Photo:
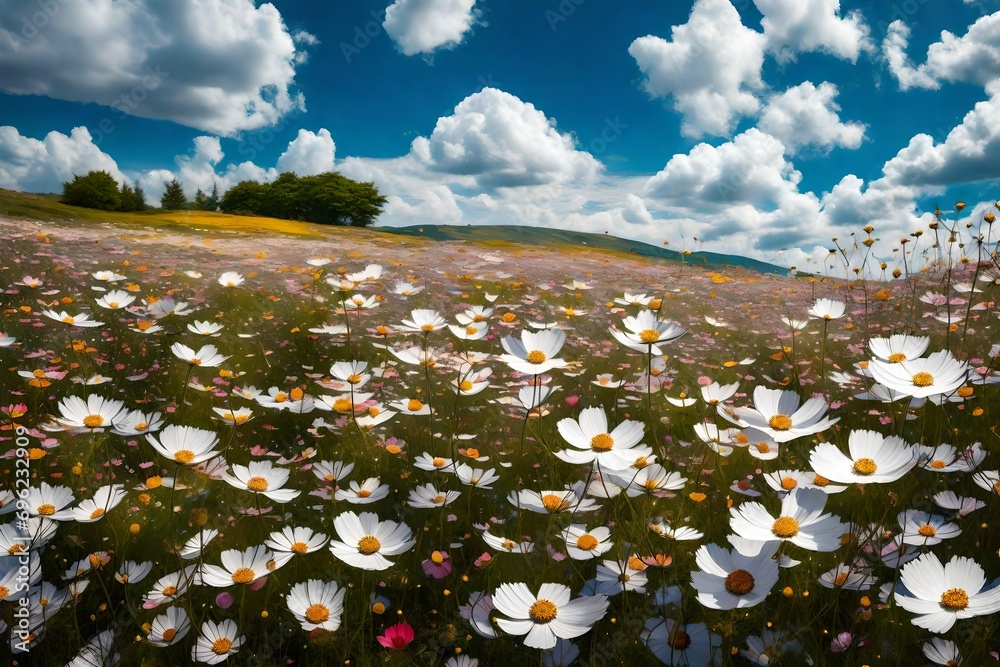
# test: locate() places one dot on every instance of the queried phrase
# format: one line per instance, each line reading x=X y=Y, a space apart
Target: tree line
x=329 y=198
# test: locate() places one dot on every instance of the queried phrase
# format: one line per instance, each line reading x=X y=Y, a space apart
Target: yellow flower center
x=300 y=547
x=438 y=499
x=68 y=320
x=819 y=480
x=364 y=493
x=257 y=484
x=927 y=530
x=923 y=379
x=221 y=645
x=413 y=405
x=554 y=503
x=586 y=542
x=354 y=378
x=651 y=485
x=508 y=317
x=649 y=335
x=317 y=613
x=865 y=466
x=763 y=448
x=937 y=464
x=602 y=442
x=508 y=545
x=427 y=327
x=465 y=385
x=169 y=591
x=297 y=394
x=393 y=449
x=378 y=608
x=112 y=304
x=38 y=373
x=280 y=397
x=640 y=463
x=785 y=527
x=437 y=557
x=144 y=325
x=368 y=545
x=342 y=405
x=543 y=611
x=789 y=483
x=15 y=549
x=243 y=575
x=195 y=361
x=964 y=392
x=97 y=513
x=169 y=634
x=897 y=357
x=93 y=421
x=780 y=422
x=841 y=579
x=46 y=509
x=536 y=357
x=438 y=462
x=184 y=456
x=739 y=582
x=154 y=482
x=955 y=598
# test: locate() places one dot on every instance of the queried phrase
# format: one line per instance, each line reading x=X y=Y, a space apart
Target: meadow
x=342 y=447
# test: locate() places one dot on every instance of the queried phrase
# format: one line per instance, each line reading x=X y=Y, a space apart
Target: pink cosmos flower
x=438 y=565
x=396 y=637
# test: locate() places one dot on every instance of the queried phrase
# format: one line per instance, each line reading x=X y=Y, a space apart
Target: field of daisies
x=351 y=459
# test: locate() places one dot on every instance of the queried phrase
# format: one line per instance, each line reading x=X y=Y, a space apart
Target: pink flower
x=224 y=600
x=572 y=400
x=397 y=636
x=438 y=565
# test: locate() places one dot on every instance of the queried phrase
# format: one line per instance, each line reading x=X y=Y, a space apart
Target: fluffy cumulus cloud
x=33 y=165
x=421 y=26
x=806 y=116
x=710 y=67
x=309 y=153
x=501 y=141
x=217 y=65
x=971 y=58
x=801 y=26
x=967 y=155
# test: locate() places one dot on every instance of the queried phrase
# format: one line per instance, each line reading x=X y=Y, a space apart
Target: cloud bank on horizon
x=776 y=141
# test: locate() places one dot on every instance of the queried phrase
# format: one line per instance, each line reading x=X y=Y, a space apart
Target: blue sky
x=760 y=126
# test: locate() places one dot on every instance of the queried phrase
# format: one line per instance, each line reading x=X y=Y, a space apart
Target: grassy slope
x=47 y=207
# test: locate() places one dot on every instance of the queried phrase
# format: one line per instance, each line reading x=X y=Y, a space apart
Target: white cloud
x=421 y=26
x=801 y=26
x=711 y=68
x=501 y=141
x=967 y=155
x=894 y=51
x=33 y=165
x=971 y=58
x=807 y=116
x=309 y=153
x=217 y=65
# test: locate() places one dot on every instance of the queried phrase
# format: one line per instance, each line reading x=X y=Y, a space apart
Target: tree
x=173 y=198
x=244 y=198
x=98 y=189
x=138 y=199
x=212 y=204
x=329 y=198
x=200 y=200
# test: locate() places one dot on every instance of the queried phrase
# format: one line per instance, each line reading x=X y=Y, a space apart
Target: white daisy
x=939 y=373
x=536 y=352
x=583 y=544
x=592 y=442
x=549 y=615
x=185 y=444
x=292 y=541
x=425 y=321
x=645 y=333
x=899 y=347
x=369 y=491
x=365 y=541
x=82 y=320
x=926 y=529
x=262 y=477
x=873 y=458
x=427 y=496
x=115 y=300
x=207 y=355
x=943 y=593
x=231 y=279
x=94 y=413
x=827 y=309
x=800 y=521
x=777 y=413
x=477 y=477
x=737 y=578
x=239 y=567
x=317 y=604
x=169 y=628
x=616 y=576
x=217 y=642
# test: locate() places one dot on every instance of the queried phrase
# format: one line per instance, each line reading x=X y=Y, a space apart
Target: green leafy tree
x=329 y=198
x=173 y=198
x=98 y=189
x=244 y=198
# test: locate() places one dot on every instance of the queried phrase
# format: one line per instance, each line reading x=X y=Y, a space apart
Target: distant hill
x=549 y=237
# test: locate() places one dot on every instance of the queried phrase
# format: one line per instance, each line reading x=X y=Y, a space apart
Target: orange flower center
x=221 y=645
x=587 y=542
x=739 y=582
x=169 y=591
x=535 y=357
x=438 y=462
x=785 y=527
x=789 y=483
x=602 y=442
x=364 y=493
x=780 y=422
x=243 y=575
x=46 y=509
x=184 y=456
x=97 y=513
x=543 y=611
x=554 y=503
x=937 y=464
x=466 y=385
x=413 y=405
x=169 y=634
x=679 y=640
x=649 y=335
x=280 y=397
x=437 y=557
x=427 y=327
x=923 y=379
x=955 y=598
x=927 y=530
x=300 y=547
x=317 y=613
x=257 y=484
x=819 y=480
x=369 y=544
x=865 y=466
x=897 y=357
x=93 y=421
